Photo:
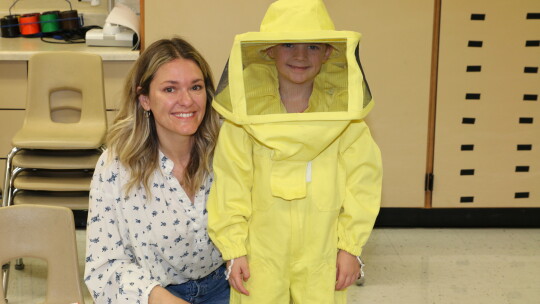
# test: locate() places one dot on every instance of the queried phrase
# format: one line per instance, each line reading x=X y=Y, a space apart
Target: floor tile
x=403 y=266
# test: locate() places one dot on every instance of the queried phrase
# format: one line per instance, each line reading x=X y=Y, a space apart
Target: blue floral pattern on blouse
x=140 y=240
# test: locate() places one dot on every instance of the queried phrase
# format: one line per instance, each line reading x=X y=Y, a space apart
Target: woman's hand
x=348 y=270
x=239 y=273
x=160 y=295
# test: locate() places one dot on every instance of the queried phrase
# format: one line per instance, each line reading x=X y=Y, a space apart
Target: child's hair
x=133 y=136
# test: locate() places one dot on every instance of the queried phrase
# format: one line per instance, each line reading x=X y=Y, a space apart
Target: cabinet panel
x=10 y=122
x=3 y=175
x=13 y=76
x=115 y=74
x=487 y=148
x=110 y=117
x=396 y=55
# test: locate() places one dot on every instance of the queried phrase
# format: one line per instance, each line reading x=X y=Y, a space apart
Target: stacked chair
x=56 y=150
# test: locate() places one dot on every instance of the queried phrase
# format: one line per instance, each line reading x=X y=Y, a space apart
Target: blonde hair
x=133 y=136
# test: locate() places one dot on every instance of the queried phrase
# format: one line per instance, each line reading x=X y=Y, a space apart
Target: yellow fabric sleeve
x=361 y=159
x=229 y=203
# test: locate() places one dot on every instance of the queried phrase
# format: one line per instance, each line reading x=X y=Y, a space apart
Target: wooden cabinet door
x=487 y=140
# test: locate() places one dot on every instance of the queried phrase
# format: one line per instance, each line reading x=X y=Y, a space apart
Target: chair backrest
x=78 y=72
x=48 y=233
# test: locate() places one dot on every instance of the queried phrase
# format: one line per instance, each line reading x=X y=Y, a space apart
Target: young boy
x=297 y=174
x=297 y=65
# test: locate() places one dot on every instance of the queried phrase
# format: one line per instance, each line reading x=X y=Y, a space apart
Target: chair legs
x=7 y=195
x=6 y=201
x=19 y=265
x=5 y=278
x=10 y=194
x=5 y=274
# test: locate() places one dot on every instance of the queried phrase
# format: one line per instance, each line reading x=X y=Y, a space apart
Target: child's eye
x=314 y=47
x=288 y=45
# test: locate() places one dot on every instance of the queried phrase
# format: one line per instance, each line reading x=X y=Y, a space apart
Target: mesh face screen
x=262 y=74
x=222 y=92
x=365 y=86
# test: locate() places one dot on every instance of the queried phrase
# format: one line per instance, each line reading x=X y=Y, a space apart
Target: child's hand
x=239 y=273
x=348 y=269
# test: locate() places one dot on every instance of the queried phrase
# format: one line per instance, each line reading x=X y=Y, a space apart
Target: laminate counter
x=23 y=48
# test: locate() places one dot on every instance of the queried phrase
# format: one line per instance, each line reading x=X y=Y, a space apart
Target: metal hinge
x=428 y=182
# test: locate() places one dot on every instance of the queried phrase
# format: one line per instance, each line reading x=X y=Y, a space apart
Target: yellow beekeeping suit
x=292 y=188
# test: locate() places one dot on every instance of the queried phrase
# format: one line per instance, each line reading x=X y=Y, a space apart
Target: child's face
x=299 y=63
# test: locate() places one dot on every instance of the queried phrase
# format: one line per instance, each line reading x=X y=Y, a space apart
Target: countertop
x=23 y=48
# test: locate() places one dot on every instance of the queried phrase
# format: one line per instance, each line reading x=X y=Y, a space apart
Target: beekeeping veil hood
x=248 y=92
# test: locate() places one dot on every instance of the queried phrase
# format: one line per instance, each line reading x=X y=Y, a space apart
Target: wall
x=395 y=52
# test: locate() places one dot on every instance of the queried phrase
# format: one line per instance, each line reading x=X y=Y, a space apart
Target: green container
x=49 y=22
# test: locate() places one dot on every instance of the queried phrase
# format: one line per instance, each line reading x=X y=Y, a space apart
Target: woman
x=146 y=235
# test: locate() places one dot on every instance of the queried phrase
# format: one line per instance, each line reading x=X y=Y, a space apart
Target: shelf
x=22 y=48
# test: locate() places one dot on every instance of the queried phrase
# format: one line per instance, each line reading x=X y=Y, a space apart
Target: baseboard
x=459 y=217
x=434 y=218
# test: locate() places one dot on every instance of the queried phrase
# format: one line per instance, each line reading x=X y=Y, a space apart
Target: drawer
x=13 y=75
x=115 y=74
x=10 y=122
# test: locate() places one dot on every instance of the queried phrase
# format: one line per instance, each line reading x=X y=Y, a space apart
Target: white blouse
x=138 y=241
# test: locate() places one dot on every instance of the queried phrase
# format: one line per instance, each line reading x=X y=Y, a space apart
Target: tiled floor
x=416 y=266
x=452 y=266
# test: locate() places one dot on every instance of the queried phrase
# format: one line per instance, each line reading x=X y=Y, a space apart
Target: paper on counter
x=124 y=16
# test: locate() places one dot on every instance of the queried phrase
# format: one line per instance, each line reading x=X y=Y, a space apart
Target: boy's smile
x=299 y=63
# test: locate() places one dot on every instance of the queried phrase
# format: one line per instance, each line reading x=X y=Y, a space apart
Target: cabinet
x=487 y=140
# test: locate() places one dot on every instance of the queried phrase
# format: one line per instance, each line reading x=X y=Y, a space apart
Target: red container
x=29 y=24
